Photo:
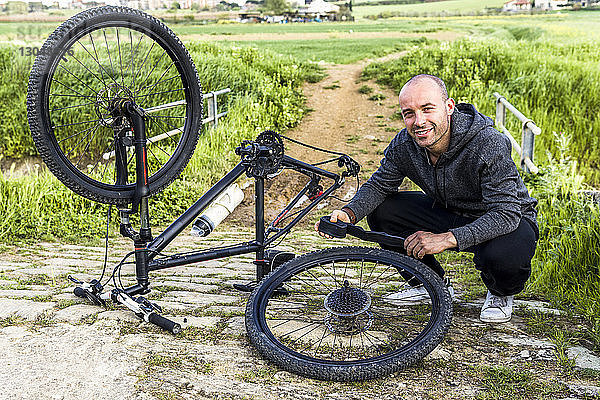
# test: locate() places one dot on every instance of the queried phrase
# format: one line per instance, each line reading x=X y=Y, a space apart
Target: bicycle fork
x=126 y=109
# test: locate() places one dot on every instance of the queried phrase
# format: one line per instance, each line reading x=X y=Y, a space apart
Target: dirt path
x=56 y=346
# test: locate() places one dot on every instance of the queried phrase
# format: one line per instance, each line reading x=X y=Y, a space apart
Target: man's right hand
x=336 y=215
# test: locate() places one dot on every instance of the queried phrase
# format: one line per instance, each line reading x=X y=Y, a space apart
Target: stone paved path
x=56 y=346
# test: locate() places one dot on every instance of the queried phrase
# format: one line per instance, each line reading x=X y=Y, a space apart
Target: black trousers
x=504 y=262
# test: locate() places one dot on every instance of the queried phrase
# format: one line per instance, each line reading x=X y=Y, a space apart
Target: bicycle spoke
x=142 y=66
x=68 y=107
x=70 y=88
x=79 y=143
x=155 y=93
x=75 y=123
x=76 y=77
x=154 y=67
x=87 y=146
x=76 y=134
x=120 y=60
x=100 y=65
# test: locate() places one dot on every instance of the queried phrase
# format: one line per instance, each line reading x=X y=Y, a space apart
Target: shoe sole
x=495 y=321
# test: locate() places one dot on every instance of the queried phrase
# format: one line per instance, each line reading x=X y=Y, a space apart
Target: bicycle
x=324 y=314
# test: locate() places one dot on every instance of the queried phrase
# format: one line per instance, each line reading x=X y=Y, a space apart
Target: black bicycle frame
x=146 y=248
x=262 y=238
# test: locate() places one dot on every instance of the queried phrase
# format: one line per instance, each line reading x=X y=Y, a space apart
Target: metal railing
x=213 y=116
x=528 y=132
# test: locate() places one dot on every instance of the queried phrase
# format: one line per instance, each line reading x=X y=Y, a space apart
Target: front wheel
x=332 y=314
x=97 y=59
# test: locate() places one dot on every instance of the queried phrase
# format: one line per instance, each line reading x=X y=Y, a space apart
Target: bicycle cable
x=311 y=146
x=106 y=242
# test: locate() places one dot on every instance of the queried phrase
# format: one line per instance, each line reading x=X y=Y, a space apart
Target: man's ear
x=450 y=106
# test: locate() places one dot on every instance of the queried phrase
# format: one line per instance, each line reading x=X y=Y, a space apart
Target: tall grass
x=266 y=95
x=566 y=267
x=552 y=82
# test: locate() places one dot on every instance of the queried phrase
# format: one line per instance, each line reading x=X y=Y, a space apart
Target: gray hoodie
x=476 y=177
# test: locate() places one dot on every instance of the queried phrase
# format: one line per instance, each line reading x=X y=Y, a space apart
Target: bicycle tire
x=307 y=294
x=93 y=58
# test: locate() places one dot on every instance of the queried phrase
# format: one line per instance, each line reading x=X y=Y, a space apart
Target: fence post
x=215 y=110
x=212 y=103
x=500 y=113
x=527 y=141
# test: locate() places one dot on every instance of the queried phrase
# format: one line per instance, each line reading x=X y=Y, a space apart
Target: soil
x=57 y=346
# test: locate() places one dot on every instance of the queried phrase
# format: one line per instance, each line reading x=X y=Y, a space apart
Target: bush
x=566 y=264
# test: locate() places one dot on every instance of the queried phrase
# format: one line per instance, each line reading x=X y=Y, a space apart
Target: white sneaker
x=414 y=295
x=496 y=308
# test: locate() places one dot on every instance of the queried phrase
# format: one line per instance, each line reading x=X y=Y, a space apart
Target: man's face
x=425 y=113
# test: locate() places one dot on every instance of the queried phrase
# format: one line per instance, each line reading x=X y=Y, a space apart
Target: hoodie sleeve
x=385 y=180
x=499 y=187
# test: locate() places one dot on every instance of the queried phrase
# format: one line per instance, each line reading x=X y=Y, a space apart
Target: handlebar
x=163 y=322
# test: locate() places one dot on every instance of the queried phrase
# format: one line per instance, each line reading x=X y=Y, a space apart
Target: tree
x=277 y=7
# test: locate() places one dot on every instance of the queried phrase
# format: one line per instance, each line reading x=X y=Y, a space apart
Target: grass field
x=362 y=9
x=340 y=51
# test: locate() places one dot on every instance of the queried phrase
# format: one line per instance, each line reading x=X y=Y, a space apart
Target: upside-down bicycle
x=117 y=79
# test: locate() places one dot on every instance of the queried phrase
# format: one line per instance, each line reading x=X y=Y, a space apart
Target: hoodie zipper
x=435 y=185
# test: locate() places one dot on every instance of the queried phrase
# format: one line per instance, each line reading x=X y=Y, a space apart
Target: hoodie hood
x=465 y=123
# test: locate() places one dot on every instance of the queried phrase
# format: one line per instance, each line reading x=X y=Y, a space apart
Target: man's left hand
x=422 y=243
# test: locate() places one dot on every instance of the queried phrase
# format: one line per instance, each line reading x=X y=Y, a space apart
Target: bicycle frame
x=147 y=248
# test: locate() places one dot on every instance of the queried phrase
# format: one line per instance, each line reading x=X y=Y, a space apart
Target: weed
x=561 y=342
x=332 y=86
x=257 y=375
x=352 y=139
x=365 y=89
x=11 y=321
x=501 y=382
x=377 y=97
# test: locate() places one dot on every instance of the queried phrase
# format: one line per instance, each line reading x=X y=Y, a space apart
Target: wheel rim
x=338 y=311
x=105 y=62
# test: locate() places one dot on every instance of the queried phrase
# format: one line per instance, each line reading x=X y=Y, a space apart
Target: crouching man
x=473 y=198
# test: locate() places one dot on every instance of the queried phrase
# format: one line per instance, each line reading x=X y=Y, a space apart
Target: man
x=473 y=198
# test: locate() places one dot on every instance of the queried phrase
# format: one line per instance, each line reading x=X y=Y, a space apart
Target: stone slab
x=198 y=322
x=119 y=315
x=536 y=306
x=76 y=313
x=20 y=293
x=584 y=358
x=27 y=309
x=199 y=298
x=195 y=287
x=521 y=341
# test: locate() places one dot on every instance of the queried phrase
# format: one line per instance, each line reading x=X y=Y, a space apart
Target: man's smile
x=424 y=132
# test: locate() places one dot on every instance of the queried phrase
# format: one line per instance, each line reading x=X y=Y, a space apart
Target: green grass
x=361 y=10
x=500 y=382
x=339 y=51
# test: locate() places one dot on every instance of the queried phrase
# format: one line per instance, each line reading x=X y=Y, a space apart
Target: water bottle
x=216 y=212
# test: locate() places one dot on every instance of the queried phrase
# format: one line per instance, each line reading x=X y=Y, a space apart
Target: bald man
x=472 y=198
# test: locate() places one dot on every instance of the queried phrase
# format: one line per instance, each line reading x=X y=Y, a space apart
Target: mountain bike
x=115 y=107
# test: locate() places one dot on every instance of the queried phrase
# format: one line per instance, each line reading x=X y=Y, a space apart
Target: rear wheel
x=329 y=315
x=93 y=60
